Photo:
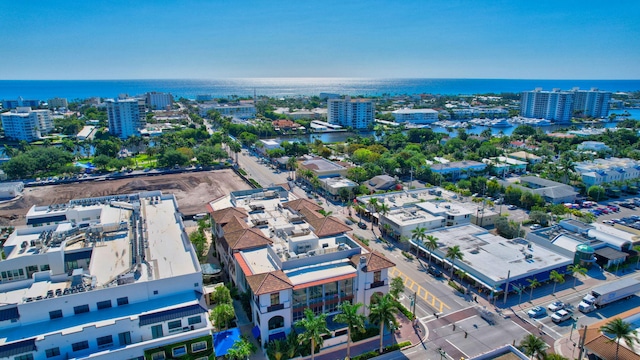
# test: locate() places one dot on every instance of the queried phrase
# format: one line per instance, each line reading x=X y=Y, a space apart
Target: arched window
x=276 y=322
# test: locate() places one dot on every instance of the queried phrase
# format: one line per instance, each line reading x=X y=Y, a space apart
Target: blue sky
x=371 y=39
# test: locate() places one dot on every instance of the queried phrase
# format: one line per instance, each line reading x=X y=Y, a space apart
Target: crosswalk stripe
x=413 y=286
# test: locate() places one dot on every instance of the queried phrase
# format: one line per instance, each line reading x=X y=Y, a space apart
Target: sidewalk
x=406 y=332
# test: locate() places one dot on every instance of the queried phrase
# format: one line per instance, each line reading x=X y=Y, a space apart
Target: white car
x=560 y=316
x=535 y=226
x=555 y=306
x=512 y=207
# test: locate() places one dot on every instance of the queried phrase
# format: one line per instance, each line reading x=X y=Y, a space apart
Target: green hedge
x=374 y=353
x=406 y=312
x=368 y=333
x=241 y=171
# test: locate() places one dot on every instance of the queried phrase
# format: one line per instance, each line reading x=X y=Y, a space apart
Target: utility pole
x=413 y=304
x=582 y=339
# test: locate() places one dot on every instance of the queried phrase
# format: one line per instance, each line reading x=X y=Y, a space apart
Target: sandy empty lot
x=193 y=191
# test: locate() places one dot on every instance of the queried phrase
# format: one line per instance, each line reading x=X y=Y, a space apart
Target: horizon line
x=322 y=77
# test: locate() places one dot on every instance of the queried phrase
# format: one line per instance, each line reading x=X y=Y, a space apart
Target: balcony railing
x=275 y=307
x=376 y=284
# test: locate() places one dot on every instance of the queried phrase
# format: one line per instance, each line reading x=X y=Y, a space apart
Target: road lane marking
x=414 y=287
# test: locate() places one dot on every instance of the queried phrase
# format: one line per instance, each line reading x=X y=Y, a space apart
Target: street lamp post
x=442 y=353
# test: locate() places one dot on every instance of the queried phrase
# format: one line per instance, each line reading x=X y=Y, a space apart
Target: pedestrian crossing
x=421 y=292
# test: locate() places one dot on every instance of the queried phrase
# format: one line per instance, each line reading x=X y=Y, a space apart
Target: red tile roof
x=246 y=239
x=299 y=204
x=222 y=216
x=268 y=283
x=374 y=261
x=328 y=226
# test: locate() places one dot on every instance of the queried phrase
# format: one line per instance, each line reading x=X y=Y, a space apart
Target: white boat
x=500 y=123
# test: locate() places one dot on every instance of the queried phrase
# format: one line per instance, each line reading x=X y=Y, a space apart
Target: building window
x=330 y=289
x=156 y=331
x=198 y=346
x=80 y=345
x=55 y=314
x=80 y=309
x=175 y=325
x=276 y=322
x=275 y=299
x=45 y=267
x=315 y=294
x=299 y=297
x=195 y=320
x=179 y=351
x=155 y=292
x=104 y=304
x=377 y=276
x=24 y=357
x=52 y=352
x=158 y=356
x=297 y=315
x=124 y=338
x=123 y=301
x=104 y=341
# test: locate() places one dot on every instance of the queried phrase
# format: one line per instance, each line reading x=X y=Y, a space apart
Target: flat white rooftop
x=316 y=272
x=491 y=257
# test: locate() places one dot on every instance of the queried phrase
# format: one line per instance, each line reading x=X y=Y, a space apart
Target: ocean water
x=81 y=89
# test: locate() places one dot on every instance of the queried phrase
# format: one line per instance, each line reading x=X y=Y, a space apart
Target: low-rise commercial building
x=289 y=258
x=9 y=190
x=551 y=191
x=603 y=171
x=332 y=186
x=502 y=165
x=240 y=111
x=459 y=169
x=494 y=263
x=322 y=167
x=415 y=116
x=525 y=156
x=113 y=277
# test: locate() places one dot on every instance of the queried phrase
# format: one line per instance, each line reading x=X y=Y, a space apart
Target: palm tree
x=566 y=166
x=621 y=330
x=373 y=205
x=557 y=278
x=383 y=312
x=454 y=253
x=276 y=349
x=533 y=283
x=418 y=235
x=431 y=245
x=314 y=328
x=532 y=346
x=292 y=345
x=241 y=350
x=396 y=287
x=576 y=270
x=292 y=163
x=355 y=321
x=554 y=357
x=383 y=209
x=235 y=147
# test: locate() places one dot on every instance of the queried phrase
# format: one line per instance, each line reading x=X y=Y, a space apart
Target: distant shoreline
x=292 y=87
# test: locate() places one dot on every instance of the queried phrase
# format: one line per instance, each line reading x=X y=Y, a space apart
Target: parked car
x=362 y=225
x=561 y=315
x=434 y=271
x=537 y=312
x=556 y=305
x=348 y=222
x=535 y=226
x=610 y=222
x=512 y=207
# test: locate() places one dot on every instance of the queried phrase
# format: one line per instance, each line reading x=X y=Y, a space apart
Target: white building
x=103 y=278
x=553 y=105
x=602 y=171
x=591 y=103
x=415 y=116
x=126 y=117
x=9 y=190
x=245 y=111
x=158 y=101
x=26 y=124
x=20 y=102
x=56 y=103
x=353 y=113
x=290 y=258
x=593 y=146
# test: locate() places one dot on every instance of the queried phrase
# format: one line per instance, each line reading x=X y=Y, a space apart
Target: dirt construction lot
x=193 y=191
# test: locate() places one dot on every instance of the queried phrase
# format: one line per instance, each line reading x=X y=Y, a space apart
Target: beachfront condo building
x=56 y=103
x=126 y=117
x=553 y=105
x=353 y=113
x=26 y=124
x=415 y=116
x=158 y=101
x=20 y=102
x=112 y=277
x=289 y=257
x=561 y=106
x=591 y=103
